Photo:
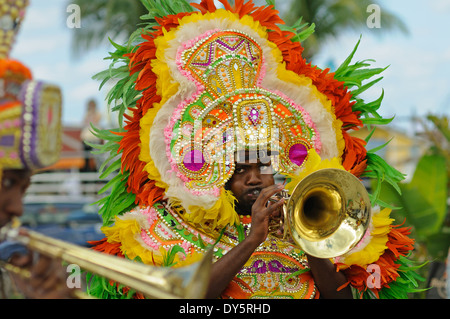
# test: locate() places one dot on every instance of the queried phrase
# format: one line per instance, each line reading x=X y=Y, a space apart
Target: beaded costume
x=30 y=118
x=194 y=86
x=30 y=110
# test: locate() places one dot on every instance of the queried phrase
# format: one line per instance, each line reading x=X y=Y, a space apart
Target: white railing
x=59 y=187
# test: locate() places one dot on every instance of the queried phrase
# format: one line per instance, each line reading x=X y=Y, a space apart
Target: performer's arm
x=48 y=277
x=226 y=268
x=328 y=280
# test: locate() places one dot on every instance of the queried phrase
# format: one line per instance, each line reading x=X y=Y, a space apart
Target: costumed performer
x=196 y=87
x=30 y=139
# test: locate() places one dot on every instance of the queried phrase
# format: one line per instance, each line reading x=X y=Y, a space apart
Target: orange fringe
x=104 y=246
x=15 y=67
x=354 y=159
x=354 y=153
x=399 y=244
x=234 y=290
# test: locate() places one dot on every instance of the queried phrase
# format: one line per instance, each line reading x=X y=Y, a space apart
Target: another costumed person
x=30 y=110
x=215 y=102
x=30 y=140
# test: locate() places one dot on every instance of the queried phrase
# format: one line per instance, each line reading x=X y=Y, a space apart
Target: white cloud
x=446 y=55
x=32 y=46
x=89 y=66
x=75 y=99
x=43 y=17
x=440 y=6
x=44 y=45
x=419 y=62
x=83 y=91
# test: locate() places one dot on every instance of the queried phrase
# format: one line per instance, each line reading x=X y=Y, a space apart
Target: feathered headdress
x=203 y=84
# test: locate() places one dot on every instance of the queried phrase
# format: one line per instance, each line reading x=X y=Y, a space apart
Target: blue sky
x=417 y=81
x=44 y=45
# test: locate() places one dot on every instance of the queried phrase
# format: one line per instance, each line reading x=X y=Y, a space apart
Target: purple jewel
x=298 y=154
x=194 y=160
x=7 y=140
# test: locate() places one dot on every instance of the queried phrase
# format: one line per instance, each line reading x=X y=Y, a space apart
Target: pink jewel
x=298 y=154
x=194 y=160
x=254 y=116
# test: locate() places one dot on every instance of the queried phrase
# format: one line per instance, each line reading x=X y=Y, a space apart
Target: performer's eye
x=7 y=183
x=266 y=169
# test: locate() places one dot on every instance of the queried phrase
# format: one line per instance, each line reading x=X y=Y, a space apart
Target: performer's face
x=14 y=184
x=251 y=173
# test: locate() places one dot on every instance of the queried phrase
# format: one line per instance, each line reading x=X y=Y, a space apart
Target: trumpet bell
x=328 y=213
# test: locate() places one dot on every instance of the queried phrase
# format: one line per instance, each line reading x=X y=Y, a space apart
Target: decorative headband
x=231 y=110
x=30 y=119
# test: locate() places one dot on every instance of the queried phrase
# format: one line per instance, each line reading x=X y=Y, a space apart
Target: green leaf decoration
x=302 y=30
x=354 y=77
x=378 y=170
x=169 y=257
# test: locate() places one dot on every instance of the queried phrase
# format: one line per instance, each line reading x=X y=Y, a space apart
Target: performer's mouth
x=253 y=193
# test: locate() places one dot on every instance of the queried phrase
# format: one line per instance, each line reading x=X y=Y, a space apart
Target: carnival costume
x=30 y=110
x=195 y=86
x=30 y=118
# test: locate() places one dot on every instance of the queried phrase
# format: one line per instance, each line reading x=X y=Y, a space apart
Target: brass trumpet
x=327 y=213
x=154 y=282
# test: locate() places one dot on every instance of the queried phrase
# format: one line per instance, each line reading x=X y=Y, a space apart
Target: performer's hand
x=263 y=210
x=226 y=268
x=48 y=278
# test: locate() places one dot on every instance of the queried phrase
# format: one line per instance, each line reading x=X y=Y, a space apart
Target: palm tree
x=332 y=17
x=103 y=19
x=119 y=18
